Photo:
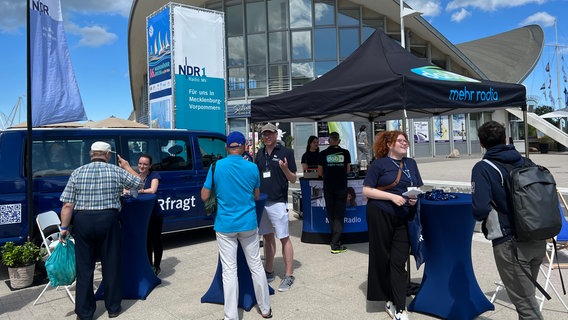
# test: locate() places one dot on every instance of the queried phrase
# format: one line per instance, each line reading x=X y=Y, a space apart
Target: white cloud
x=541 y=18
x=460 y=15
x=489 y=5
x=13 y=15
x=428 y=8
x=93 y=36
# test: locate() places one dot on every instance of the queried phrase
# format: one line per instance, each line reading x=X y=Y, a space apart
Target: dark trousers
x=388 y=254
x=97 y=234
x=335 y=202
x=154 y=245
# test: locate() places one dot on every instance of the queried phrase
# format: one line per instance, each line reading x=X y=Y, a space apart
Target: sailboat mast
x=557 y=64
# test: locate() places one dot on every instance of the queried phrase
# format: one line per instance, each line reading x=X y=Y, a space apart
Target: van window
x=212 y=149
x=167 y=154
x=59 y=157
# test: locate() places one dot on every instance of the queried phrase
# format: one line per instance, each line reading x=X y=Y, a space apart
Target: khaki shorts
x=275 y=220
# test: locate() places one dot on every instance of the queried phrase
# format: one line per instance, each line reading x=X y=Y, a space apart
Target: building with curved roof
x=282 y=44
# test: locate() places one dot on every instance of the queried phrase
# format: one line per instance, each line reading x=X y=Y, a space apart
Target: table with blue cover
x=247 y=298
x=449 y=288
x=138 y=278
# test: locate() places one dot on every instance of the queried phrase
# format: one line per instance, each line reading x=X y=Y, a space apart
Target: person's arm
x=291 y=176
x=304 y=166
x=153 y=187
x=125 y=165
x=256 y=194
x=481 y=196
x=66 y=215
x=320 y=170
x=374 y=193
x=348 y=162
x=206 y=191
x=205 y=194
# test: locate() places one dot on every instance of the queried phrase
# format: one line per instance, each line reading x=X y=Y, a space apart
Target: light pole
x=406 y=12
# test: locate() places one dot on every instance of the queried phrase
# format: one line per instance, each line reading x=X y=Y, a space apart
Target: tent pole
x=404 y=118
x=525 y=116
x=251 y=128
x=372 y=122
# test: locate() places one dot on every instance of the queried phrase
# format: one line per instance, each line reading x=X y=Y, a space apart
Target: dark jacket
x=487 y=188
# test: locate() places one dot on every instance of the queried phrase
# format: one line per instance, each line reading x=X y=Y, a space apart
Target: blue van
x=182 y=157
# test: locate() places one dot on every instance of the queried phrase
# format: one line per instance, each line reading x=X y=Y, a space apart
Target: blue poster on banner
x=201 y=103
x=159 y=54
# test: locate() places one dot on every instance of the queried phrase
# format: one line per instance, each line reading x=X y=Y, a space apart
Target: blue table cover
x=247 y=298
x=138 y=279
x=449 y=288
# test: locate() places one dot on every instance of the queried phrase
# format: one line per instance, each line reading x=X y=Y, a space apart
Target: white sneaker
x=389 y=308
x=401 y=315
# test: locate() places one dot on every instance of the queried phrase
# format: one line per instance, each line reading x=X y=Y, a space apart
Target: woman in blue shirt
x=388 y=212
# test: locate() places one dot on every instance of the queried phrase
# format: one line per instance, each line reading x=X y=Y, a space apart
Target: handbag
x=60 y=265
x=211 y=202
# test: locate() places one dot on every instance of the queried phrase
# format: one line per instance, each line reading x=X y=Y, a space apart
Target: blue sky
x=97 y=39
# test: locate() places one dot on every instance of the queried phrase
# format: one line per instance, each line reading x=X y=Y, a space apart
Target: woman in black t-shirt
x=388 y=211
x=310 y=157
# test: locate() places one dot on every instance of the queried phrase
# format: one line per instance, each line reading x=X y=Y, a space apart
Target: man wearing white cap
x=277 y=167
x=92 y=198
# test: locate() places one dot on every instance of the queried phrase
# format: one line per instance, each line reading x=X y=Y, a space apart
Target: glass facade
x=277 y=45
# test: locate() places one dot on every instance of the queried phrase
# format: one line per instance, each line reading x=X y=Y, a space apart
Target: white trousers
x=227 y=243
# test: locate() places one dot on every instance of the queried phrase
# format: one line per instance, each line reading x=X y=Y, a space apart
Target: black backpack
x=534 y=206
x=533 y=199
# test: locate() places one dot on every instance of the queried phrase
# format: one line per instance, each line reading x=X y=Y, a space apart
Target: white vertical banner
x=55 y=95
x=199 y=68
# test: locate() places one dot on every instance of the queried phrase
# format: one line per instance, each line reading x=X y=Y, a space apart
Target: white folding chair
x=561 y=240
x=44 y=221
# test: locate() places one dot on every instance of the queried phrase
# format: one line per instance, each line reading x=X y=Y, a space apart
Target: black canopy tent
x=380 y=81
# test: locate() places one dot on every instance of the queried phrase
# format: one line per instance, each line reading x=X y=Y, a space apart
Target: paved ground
x=327 y=286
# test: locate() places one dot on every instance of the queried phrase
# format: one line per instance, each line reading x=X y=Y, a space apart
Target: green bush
x=14 y=256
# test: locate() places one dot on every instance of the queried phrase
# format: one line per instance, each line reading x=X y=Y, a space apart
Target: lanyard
x=406 y=171
x=266 y=160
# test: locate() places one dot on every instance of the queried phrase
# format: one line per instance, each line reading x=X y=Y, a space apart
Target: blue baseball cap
x=237 y=138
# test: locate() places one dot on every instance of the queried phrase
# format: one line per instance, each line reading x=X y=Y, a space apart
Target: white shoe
x=401 y=315
x=389 y=308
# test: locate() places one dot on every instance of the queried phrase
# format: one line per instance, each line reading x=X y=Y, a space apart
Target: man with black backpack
x=492 y=204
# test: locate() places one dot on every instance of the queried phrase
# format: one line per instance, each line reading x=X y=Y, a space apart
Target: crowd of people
x=92 y=199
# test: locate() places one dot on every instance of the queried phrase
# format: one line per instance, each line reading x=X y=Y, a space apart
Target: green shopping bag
x=60 y=265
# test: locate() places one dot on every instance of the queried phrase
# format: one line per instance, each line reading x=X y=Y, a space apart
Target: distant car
x=420 y=137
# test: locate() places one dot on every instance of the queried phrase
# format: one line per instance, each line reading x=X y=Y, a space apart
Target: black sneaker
x=339 y=250
x=270 y=276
